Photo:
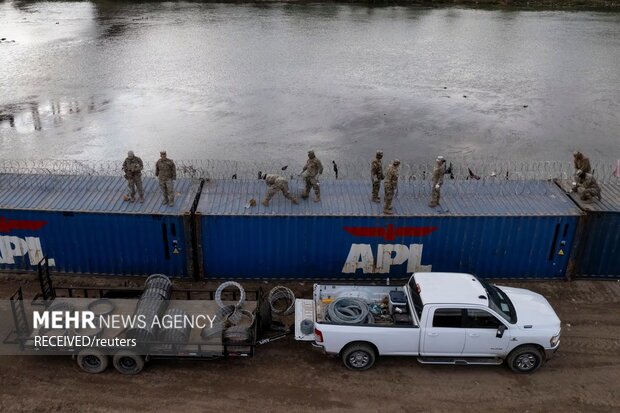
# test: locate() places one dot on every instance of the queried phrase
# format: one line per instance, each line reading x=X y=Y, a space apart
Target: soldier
x=376 y=175
x=166 y=171
x=276 y=183
x=582 y=164
x=133 y=174
x=390 y=185
x=311 y=170
x=588 y=187
x=438 y=173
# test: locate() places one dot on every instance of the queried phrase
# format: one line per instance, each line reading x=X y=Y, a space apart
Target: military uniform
x=311 y=170
x=438 y=173
x=166 y=171
x=275 y=184
x=133 y=174
x=589 y=188
x=582 y=164
x=390 y=186
x=376 y=176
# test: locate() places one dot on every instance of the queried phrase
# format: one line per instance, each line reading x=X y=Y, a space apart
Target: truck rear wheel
x=93 y=361
x=525 y=359
x=358 y=356
x=127 y=362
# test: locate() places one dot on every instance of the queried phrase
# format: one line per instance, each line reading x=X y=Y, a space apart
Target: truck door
x=445 y=332
x=481 y=335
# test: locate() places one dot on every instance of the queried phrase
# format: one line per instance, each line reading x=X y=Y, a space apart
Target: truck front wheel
x=525 y=359
x=358 y=356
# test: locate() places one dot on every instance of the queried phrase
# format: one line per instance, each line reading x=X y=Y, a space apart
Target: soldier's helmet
x=379 y=154
x=441 y=159
x=130 y=154
x=162 y=152
x=577 y=154
x=311 y=154
x=396 y=162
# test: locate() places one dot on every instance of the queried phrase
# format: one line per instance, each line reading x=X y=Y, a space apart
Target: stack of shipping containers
x=597 y=254
x=494 y=229
x=83 y=226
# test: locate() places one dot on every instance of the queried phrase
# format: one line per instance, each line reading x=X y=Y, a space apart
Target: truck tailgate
x=304 y=310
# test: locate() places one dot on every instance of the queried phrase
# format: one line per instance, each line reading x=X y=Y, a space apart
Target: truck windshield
x=499 y=301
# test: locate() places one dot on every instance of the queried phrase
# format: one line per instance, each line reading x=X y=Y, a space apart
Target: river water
x=88 y=80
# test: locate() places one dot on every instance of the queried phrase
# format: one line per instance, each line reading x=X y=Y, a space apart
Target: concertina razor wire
x=459 y=168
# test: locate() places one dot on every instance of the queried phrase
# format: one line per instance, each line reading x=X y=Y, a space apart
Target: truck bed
x=377 y=297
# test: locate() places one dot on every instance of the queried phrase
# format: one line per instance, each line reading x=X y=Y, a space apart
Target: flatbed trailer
x=95 y=358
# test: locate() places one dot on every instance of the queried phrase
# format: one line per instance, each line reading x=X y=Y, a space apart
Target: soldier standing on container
x=311 y=170
x=133 y=174
x=276 y=183
x=582 y=164
x=390 y=185
x=588 y=187
x=438 y=173
x=376 y=175
x=166 y=171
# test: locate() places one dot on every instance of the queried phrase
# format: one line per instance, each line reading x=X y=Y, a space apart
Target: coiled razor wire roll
x=242 y=318
x=237 y=334
x=158 y=284
x=281 y=300
x=152 y=304
x=348 y=310
x=101 y=307
x=222 y=287
x=307 y=326
x=174 y=335
x=241 y=324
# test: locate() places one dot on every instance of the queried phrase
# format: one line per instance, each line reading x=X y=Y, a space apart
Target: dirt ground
x=288 y=376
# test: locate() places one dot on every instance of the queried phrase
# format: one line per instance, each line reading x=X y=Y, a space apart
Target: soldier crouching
x=275 y=184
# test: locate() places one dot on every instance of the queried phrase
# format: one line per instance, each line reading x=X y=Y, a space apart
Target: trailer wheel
x=525 y=359
x=126 y=362
x=93 y=361
x=358 y=356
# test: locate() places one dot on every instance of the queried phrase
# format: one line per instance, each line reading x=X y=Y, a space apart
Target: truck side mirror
x=500 y=331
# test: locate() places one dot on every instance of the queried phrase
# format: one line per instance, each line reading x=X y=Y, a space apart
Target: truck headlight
x=554 y=340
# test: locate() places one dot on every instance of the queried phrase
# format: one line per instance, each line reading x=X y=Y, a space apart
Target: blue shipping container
x=598 y=252
x=82 y=224
x=495 y=229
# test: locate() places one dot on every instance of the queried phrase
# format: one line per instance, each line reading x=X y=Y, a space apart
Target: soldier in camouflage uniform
x=390 y=185
x=133 y=174
x=582 y=164
x=276 y=183
x=311 y=170
x=588 y=188
x=376 y=176
x=438 y=173
x=166 y=171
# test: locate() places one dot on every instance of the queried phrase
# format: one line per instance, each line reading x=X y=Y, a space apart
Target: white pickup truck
x=440 y=318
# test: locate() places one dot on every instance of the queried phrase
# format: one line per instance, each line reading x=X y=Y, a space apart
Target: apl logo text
x=12 y=246
x=361 y=255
